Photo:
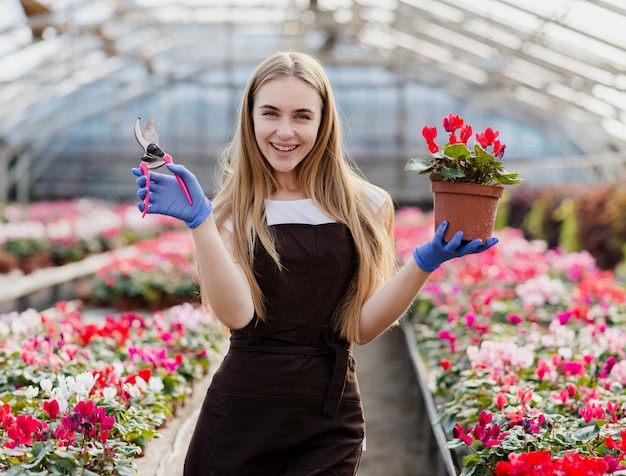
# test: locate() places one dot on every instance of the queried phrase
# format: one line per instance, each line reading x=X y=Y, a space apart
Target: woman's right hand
x=166 y=197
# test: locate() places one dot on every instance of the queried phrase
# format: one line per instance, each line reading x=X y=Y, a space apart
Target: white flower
x=46 y=385
x=141 y=384
x=118 y=367
x=84 y=383
x=31 y=392
x=55 y=394
x=566 y=352
x=156 y=384
x=132 y=390
x=66 y=386
x=109 y=393
x=4 y=330
x=618 y=372
x=538 y=291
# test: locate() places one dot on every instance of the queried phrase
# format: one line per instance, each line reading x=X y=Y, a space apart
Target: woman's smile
x=283 y=148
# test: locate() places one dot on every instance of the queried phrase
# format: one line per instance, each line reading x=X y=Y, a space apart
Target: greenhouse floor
x=396 y=430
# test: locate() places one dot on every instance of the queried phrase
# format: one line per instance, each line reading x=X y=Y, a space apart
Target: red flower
x=487 y=138
x=429 y=133
x=451 y=123
x=541 y=463
x=23 y=430
x=466 y=133
x=498 y=149
x=145 y=374
x=51 y=408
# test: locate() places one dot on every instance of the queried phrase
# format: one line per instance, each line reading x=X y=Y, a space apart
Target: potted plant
x=466 y=181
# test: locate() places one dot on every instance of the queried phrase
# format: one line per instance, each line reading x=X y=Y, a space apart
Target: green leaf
x=455 y=443
x=419 y=165
x=86 y=472
x=450 y=173
x=457 y=151
x=586 y=434
x=508 y=179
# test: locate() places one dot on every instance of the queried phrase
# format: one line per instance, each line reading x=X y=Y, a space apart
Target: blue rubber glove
x=429 y=256
x=168 y=198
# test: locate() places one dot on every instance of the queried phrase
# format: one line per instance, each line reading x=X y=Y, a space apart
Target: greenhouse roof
x=559 y=61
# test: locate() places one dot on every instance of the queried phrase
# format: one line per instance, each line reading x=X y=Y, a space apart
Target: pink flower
x=446 y=335
x=501 y=401
x=514 y=318
x=525 y=395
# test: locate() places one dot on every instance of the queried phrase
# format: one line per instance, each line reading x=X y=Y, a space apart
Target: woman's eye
x=269 y=113
x=303 y=117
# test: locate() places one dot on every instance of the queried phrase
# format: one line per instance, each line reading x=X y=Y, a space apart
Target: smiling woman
x=296 y=256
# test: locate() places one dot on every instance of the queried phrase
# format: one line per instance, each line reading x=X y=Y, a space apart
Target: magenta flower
x=459 y=432
x=487 y=434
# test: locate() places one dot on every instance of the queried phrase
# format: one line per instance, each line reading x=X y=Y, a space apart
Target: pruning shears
x=154 y=157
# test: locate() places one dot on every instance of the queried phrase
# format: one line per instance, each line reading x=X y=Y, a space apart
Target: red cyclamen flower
x=51 y=408
x=466 y=133
x=451 y=123
x=429 y=134
x=487 y=138
x=498 y=149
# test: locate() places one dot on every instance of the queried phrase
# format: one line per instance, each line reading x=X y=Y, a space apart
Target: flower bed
x=152 y=274
x=54 y=233
x=526 y=354
x=83 y=394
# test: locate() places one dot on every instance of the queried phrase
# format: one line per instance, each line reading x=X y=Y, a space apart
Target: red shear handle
x=167 y=158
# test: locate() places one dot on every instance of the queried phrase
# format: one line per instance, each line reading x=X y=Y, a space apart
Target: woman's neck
x=284 y=194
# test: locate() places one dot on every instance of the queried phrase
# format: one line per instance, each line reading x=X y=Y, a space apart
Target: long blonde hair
x=326 y=175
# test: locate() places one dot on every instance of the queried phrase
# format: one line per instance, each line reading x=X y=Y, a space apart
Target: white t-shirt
x=304 y=211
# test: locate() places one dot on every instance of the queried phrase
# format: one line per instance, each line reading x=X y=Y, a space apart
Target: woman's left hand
x=429 y=256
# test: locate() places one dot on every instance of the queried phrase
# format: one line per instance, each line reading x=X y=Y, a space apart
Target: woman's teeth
x=284 y=149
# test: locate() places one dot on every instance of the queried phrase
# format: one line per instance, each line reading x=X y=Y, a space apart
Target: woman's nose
x=285 y=129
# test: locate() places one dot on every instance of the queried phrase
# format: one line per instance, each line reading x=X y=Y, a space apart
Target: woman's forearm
x=222 y=282
x=391 y=301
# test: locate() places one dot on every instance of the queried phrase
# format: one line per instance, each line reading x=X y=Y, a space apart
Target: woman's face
x=286 y=115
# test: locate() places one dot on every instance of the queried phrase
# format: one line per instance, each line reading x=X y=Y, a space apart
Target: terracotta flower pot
x=468 y=207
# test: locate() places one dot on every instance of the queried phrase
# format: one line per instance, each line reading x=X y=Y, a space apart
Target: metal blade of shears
x=148 y=135
x=143 y=142
x=149 y=132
